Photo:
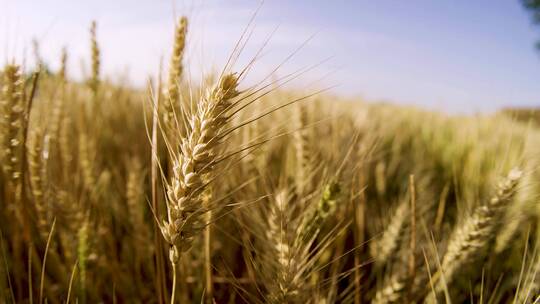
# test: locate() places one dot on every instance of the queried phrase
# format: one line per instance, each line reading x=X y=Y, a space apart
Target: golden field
x=223 y=192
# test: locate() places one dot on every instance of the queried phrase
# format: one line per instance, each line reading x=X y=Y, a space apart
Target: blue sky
x=461 y=56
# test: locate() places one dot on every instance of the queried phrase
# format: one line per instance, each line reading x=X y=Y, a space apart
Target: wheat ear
x=312 y=223
x=96 y=62
x=290 y=258
x=86 y=162
x=135 y=194
x=393 y=291
x=12 y=120
x=62 y=72
x=58 y=104
x=303 y=153
x=383 y=249
x=175 y=72
x=187 y=215
x=284 y=260
x=36 y=166
x=476 y=232
x=192 y=166
x=135 y=197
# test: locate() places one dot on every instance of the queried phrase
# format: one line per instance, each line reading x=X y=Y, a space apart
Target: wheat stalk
x=82 y=255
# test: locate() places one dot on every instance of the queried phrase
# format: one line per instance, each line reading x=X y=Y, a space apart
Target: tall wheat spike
x=86 y=162
x=62 y=72
x=303 y=151
x=12 y=119
x=37 y=166
x=96 y=61
x=187 y=214
x=65 y=145
x=193 y=164
x=286 y=286
x=136 y=204
x=176 y=70
x=382 y=250
x=58 y=104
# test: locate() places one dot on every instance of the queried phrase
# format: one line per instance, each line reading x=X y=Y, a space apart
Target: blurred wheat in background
x=224 y=192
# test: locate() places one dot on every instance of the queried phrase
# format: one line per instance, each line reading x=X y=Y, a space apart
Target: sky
x=454 y=55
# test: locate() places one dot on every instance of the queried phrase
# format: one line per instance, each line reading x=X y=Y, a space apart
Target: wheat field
x=224 y=192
